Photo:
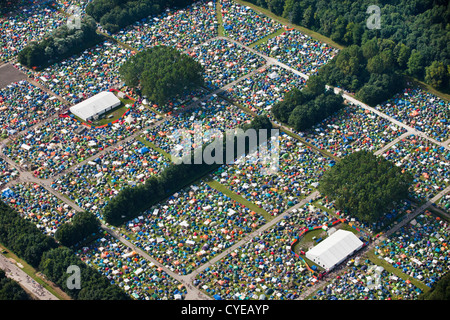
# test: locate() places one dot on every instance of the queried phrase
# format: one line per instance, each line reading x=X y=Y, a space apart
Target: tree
x=11 y=290
x=308 y=17
x=54 y=266
x=365 y=186
x=115 y=15
x=81 y=226
x=402 y=52
x=261 y=122
x=60 y=44
x=437 y=75
x=440 y=291
x=303 y=109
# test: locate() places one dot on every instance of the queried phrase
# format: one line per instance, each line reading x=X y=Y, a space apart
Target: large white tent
x=334 y=249
x=95 y=106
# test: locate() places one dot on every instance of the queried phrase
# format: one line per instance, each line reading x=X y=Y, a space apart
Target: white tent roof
x=95 y=105
x=334 y=249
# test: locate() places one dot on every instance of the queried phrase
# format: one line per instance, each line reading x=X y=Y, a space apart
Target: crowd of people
x=224 y=62
x=363 y=280
x=211 y=114
x=182 y=29
x=444 y=202
x=199 y=222
x=352 y=129
x=90 y=185
x=30 y=23
x=73 y=6
x=138 y=277
x=265 y=267
x=61 y=143
x=7 y=173
x=261 y=91
x=299 y=170
x=80 y=77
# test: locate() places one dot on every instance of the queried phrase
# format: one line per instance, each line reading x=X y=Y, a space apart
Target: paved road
x=195 y=293
x=391 y=119
x=14 y=272
x=192 y=292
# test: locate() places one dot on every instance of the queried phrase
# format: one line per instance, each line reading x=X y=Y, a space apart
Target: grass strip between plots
x=286 y=22
x=266 y=38
x=221 y=188
x=220 y=29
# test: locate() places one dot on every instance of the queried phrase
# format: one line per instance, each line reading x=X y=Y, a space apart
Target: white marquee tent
x=96 y=105
x=334 y=249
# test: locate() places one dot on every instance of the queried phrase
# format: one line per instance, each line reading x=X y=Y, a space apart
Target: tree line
x=417 y=31
x=10 y=289
x=132 y=201
x=62 y=43
x=161 y=73
x=114 y=15
x=43 y=253
x=302 y=109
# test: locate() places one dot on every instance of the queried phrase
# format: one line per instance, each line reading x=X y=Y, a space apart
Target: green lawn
x=116 y=114
x=154 y=147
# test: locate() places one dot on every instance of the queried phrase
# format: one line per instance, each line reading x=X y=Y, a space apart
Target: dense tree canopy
x=11 y=290
x=302 y=109
x=440 y=291
x=419 y=31
x=161 y=73
x=82 y=225
x=132 y=201
x=60 y=44
x=372 y=71
x=22 y=236
x=113 y=15
x=93 y=286
x=364 y=185
x=42 y=252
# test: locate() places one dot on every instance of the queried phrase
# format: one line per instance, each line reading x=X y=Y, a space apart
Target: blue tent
x=7 y=193
x=143 y=150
